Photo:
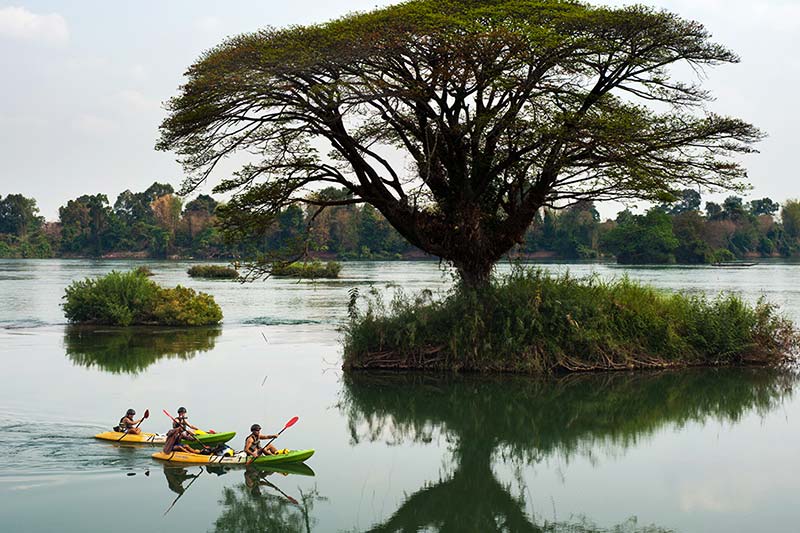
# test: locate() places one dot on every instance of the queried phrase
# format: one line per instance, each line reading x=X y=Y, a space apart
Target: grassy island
x=129 y=298
x=312 y=270
x=212 y=272
x=533 y=322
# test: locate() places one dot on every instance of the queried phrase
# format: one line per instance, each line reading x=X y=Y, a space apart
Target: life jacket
x=249 y=448
x=124 y=425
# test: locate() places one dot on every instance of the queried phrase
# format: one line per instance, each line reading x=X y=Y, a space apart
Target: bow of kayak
x=294 y=456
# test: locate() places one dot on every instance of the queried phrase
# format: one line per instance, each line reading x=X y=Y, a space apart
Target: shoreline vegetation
x=155 y=224
x=130 y=298
x=534 y=323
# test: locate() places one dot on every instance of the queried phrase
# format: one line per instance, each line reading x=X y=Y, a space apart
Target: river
x=700 y=450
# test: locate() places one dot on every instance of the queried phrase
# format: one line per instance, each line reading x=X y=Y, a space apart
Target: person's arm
x=191 y=426
x=268 y=437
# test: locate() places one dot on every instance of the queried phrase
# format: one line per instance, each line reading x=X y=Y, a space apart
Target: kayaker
x=251 y=446
x=128 y=425
x=174 y=437
x=184 y=420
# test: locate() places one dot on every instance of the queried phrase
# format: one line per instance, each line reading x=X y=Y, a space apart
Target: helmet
x=130 y=412
x=181 y=410
x=255 y=427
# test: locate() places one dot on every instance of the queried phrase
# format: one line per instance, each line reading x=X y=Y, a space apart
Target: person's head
x=255 y=428
x=130 y=412
x=181 y=411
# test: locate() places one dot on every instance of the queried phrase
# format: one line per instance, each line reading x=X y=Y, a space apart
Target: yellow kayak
x=291 y=456
x=159 y=438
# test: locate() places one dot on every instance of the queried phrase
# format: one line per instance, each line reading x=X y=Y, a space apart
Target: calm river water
x=701 y=450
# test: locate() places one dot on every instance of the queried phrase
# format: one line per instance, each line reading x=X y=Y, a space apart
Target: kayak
x=294 y=456
x=207 y=439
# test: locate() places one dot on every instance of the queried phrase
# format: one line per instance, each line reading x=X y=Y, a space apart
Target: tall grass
x=533 y=322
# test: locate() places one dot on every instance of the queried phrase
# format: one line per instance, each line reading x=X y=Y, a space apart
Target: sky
x=83 y=82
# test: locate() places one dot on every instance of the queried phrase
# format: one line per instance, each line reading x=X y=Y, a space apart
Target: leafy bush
x=127 y=298
x=312 y=270
x=534 y=322
x=144 y=270
x=182 y=306
x=212 y=271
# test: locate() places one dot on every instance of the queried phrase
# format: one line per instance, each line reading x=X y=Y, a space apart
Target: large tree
x=459 y=120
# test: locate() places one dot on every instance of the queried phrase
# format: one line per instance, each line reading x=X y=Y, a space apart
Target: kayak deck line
x=160 y=438
x=294 y=456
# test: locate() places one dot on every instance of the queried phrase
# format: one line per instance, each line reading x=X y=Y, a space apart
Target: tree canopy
x=495 y=109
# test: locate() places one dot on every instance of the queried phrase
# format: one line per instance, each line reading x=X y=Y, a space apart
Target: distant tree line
x=157 y=223
x=678 y=232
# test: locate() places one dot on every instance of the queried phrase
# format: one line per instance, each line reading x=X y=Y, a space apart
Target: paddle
x=146 y=415
x=211 y=431
x=182 y=493
x=289 y=424
x=282 y=493
x=187 y=430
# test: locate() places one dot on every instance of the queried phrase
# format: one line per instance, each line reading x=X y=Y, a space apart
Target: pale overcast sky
x=83 y=82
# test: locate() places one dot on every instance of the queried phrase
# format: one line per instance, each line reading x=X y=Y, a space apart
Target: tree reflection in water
x=525 y=420
x=260 y=505
x=132 y=350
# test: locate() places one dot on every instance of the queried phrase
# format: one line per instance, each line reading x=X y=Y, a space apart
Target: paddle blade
x=212 y=431
x=147 y=413
x=291 y=422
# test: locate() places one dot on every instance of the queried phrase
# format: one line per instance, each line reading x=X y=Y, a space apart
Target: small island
x=312 y=270
x=212 y=272
x=130 y=298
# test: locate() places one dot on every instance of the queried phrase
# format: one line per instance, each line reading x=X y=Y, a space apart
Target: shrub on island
x=533 y=322
x=312 y=270
x=144 y=270
x=213 y=272
x=129 y=298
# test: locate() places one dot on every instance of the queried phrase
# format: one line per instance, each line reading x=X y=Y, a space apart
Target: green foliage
x=144 y=271
x=532 y=322
x=642 y=239
x=183 y=306
x=308 y=270
x=128 y=298
x=19 y=215
x=790 y=215
x=213 y=271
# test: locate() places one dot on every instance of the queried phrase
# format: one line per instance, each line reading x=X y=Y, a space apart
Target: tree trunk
x=474 y=274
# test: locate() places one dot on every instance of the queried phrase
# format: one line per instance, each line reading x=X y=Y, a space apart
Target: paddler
x=251 y=446
x=183 y=420
x=128 y=425
x=174 y=437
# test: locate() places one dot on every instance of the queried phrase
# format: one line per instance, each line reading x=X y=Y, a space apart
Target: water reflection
x=132 y=350
x=522 y=420
x=257 y=504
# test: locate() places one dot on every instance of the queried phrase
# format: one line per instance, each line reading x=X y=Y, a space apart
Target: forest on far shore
x=157 y=223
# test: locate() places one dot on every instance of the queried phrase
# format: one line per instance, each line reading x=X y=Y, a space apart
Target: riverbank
x=532 y=322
